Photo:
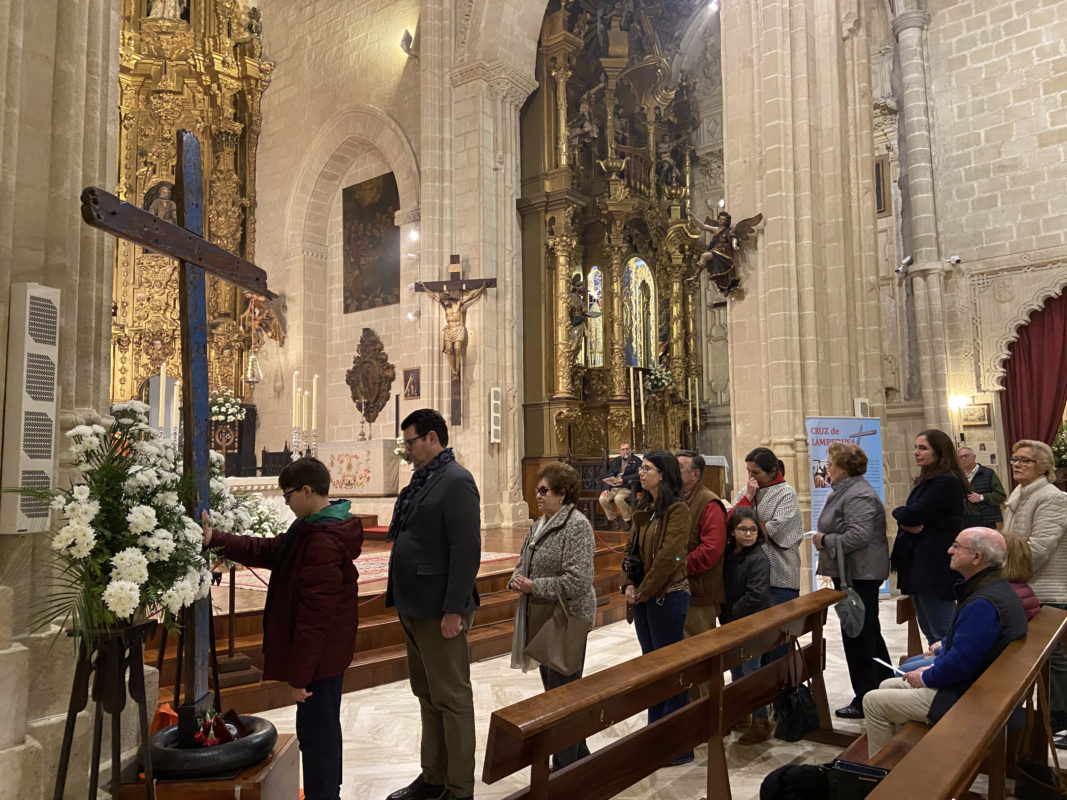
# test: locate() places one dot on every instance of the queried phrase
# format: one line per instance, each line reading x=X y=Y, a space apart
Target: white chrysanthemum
x=148 y=449
x=219 y=485
x=168 y=499
x=216 y=459
x=90 y=442
x=79 y=430
x=83 y=540
x=99 y=430
x=158 y=546
x=173 y=601
x=142 y=519
x=83 y=512
x=204 y=584
x=80 y=492
x=129 y=565
x=58 y=502
x=122 y=597
x=194 y=534
x=64 y=536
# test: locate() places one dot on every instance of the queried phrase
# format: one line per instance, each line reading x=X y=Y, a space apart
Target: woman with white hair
x=1037 y=512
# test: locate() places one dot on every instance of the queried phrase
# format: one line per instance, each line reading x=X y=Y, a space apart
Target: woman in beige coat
x=556 y=560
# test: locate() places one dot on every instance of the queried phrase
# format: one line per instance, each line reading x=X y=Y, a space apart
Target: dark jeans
x=1058 y=683
x=934 y=614
x=550 y=679
x=660 y=623
x=318 y=729
x=747 y=668
x=860 y=652
x=779 y=596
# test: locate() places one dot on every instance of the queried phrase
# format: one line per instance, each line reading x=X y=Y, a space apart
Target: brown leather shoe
x=759 y=731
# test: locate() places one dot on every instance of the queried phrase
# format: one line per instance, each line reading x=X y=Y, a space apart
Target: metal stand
x=114 y=652
x=176 y=697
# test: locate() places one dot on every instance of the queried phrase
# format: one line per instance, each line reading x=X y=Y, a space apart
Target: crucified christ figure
x=455 y=330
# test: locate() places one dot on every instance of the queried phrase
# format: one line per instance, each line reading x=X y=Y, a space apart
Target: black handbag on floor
x=849 y=780
x=795 y=708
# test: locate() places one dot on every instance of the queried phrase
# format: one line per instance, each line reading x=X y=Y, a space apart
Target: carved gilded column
x=562 y=246
x=678 y=364
x=614 y=330
x=561 y=71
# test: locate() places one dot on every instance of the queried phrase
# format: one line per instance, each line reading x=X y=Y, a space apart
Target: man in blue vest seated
x=989 y=616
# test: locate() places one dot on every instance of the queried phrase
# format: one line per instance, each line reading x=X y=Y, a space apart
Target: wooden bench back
x=946 y=759
x=528 y=732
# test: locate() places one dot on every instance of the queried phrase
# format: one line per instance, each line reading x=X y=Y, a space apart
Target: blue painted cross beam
x=198 y=257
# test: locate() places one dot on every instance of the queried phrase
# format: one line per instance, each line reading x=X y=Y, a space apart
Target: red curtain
x=1035 y=380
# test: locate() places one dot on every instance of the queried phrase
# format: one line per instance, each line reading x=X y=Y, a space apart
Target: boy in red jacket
x=310 y=616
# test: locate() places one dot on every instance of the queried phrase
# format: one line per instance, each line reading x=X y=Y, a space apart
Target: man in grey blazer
x=436 y=536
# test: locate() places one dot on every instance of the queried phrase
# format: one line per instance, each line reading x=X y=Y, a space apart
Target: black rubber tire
x=168 y=761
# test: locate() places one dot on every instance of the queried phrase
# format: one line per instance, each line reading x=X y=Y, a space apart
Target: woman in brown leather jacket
x=659 y=596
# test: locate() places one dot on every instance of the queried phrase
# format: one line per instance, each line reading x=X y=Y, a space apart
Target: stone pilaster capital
x=502 y=80
x=406 y=216
x=910 y=19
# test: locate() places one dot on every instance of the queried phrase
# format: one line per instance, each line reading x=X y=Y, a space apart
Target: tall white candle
x=304 y=426
x=296 y=400
x=163 y=396
x=633 y=418
x=641 y=385
x=315 y=403
x=174 y=421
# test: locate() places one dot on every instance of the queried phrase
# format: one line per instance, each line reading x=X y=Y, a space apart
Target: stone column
x=796 y=91
x=926 y=273
x=487 y=99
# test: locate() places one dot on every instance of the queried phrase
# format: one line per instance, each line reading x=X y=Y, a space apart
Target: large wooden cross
x=198 y=257
x=450 y=295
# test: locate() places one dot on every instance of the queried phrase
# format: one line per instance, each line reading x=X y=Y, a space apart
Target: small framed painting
x=411 y=384
x=976 y=415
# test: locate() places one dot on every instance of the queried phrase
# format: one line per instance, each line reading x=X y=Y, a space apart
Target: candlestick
x=315 y=403
x=304 y=418
x=296 y=400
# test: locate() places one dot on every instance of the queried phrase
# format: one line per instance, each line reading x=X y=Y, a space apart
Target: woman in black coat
x=928 y=523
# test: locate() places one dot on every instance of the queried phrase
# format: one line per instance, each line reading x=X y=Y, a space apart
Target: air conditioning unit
x=861 y=406
x=31 y=407
x=494 y=415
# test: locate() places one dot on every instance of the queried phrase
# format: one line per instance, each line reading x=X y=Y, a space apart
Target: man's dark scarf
x=418 y=480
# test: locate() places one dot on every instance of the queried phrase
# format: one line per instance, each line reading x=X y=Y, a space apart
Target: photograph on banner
x=822 y=432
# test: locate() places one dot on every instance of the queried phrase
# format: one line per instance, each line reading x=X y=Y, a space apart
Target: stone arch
x=500 y=31
x=1014 y=324
x=328 y=159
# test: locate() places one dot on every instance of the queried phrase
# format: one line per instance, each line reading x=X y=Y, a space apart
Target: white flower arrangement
x=126 y=546
x=400 y=451
x=658 y=377
x=224 y=407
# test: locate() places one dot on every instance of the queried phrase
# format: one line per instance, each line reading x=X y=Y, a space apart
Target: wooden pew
x=525 y=734
x=946 y=758
x=906 y=614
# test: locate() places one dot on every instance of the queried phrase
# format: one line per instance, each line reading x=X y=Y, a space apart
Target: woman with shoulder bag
x=854 y=518
x=660 y=597
x=556 y=564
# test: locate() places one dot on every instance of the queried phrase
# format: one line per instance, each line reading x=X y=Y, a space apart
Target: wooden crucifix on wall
x=455 y=296
x=185 y=243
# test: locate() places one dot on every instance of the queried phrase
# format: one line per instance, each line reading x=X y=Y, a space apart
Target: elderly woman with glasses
x=1037 y=512
x=853 y=520
x=654 y=579
x=556 y=561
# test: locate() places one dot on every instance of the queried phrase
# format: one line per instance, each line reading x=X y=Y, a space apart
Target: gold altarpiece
x=196 y=66
x=607 y=173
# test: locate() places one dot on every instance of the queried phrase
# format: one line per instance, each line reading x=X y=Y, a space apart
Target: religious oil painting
x=976 y=415
x=411 y=384
x=159 y=200
x=371 y=244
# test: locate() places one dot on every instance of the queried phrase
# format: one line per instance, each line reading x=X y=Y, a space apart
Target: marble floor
x=381 y=725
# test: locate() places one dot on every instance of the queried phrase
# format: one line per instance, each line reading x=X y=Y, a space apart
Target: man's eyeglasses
x=409 y=443
x=543 y=490
x=1022 y=460
x=958 y=546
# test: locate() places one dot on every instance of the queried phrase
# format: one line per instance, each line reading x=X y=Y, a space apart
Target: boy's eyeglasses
x=285 y=495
